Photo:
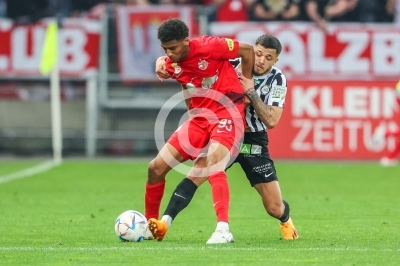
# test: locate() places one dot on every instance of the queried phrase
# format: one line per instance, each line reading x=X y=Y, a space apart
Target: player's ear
x=186 y=41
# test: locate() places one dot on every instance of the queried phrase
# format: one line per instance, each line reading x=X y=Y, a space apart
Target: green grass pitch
x=345 y=213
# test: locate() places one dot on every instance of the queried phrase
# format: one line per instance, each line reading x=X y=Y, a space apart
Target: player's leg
x=225 y=136
x=276 y=207
x=261 y=173
x=217 y=160
x=167 y=158
x=180 y=198
x=190 y=140
x=175 y=151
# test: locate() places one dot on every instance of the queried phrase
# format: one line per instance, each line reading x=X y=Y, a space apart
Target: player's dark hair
x=269 y=41
x=172 y=29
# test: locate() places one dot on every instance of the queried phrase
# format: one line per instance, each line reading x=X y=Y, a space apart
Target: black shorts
x=255 y=160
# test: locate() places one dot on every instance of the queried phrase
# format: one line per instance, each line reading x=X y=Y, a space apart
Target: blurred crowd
x=319 y=11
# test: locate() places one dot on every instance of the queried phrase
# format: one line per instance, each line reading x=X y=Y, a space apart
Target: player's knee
x=214 y=164
x=275 y=209
x=198 y=172
x=197 y=180
x=156 y=171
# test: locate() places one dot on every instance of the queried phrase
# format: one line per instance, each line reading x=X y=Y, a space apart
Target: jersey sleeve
x=277 y=95
x=236 y=63
x=221 y=48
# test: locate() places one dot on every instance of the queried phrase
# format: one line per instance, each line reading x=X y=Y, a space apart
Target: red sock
x=152 y=199
x=392 y=154
x=220 y=194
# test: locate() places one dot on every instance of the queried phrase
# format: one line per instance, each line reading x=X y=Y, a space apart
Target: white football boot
x=221 y=237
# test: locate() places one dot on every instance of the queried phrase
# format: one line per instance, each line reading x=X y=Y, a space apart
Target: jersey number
x=226 y=124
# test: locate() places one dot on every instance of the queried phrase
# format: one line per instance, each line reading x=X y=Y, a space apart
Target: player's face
x=176 y=50
x=265 y=58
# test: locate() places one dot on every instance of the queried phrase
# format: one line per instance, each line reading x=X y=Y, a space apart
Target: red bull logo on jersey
x=203 y=64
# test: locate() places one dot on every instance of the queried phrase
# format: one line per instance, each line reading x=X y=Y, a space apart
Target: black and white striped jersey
x=272 y=90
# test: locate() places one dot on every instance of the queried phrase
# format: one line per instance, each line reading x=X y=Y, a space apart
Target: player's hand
x=247 y=84
x=161 y=69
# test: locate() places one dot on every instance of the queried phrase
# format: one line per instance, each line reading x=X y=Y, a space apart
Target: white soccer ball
x=131 y=226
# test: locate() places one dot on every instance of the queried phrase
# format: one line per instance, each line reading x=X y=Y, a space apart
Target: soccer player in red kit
x=216 y=104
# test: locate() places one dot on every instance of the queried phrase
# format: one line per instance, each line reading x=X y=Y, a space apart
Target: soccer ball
x=131 y=226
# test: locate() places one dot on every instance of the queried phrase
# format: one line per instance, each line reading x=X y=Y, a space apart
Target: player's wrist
x=250 y=90
x=252 y=94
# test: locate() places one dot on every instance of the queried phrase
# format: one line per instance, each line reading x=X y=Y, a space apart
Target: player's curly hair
x=172 y=29
x=269 y=41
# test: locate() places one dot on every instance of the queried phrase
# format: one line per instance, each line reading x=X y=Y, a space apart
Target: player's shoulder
x=278 y=77
x=207 y=40
x=277 y=71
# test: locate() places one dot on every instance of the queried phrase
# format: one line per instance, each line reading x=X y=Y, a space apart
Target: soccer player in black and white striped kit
x=266 y=92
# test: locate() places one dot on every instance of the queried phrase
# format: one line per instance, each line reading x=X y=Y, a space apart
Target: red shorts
x=195 y=135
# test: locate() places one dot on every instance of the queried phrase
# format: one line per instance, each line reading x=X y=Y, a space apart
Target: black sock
x=285 y=217
x=181 y=197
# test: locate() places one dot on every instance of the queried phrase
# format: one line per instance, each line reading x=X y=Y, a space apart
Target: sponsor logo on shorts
x=268 y=174
x=245 y=148
x=250 y=149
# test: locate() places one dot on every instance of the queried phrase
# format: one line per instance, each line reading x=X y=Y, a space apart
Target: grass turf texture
x=346 y=214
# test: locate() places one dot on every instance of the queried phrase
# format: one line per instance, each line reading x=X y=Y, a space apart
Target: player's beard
x=255 y=73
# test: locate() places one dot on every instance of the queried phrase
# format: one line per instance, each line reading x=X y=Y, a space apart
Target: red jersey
x=207 y=74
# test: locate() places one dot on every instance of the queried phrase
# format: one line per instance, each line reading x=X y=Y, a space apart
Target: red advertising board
x=334 y=119
x=21 y=47
x=362 y=51
x=138 y=46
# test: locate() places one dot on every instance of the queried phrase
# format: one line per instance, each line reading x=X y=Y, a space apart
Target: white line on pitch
x=28 y=172
x=158 y=247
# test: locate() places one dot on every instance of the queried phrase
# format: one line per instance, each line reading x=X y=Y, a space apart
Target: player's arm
x=246 y=52
x=161 y=69
x=268 y=114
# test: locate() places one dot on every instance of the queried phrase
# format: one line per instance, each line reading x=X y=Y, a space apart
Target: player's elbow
x=271 y=125
x=246 y=51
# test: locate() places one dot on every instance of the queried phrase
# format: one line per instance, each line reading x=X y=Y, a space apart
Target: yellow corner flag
x=50 y=48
